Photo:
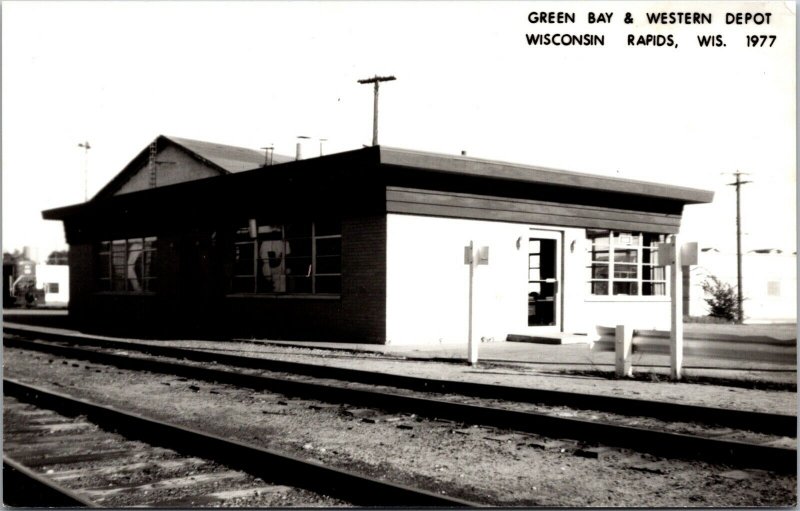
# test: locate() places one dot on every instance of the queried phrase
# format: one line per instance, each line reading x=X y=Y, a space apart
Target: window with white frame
x=127 y=265
x=622 y=264
x=290 y=258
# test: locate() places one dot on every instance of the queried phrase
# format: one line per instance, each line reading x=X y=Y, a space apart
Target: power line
x=376 y=80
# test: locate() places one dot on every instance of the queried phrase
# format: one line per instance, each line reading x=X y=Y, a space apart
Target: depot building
x=365 y=246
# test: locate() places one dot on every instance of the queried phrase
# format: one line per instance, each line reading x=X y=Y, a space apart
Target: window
x=292 y=258
x=127 y=265
x=621 y=264
x=773 y=288
x=51 y=287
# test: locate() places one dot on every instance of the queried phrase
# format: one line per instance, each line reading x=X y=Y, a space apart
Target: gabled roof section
x=229 y=158
x=218 y=159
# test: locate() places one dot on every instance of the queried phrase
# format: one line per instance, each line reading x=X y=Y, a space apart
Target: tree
x=12 y=258
x=723 y=300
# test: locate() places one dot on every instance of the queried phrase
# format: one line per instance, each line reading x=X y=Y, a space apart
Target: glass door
x=543 y=280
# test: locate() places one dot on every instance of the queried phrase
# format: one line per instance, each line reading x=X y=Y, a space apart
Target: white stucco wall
x=427 y=284
x=647 y=313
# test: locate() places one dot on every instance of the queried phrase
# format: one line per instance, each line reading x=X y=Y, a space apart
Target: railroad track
x=74 y=452
x=768 y=423
x=758 y=454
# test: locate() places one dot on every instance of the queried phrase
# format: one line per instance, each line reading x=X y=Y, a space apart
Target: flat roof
x=491 y=169
x=452 y=167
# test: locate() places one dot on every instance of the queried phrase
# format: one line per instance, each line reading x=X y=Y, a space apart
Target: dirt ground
x=540 y=376
x=494 y=467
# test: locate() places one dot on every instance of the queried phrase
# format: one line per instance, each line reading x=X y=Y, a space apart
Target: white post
x=676 y=332
x=622 y=347
x=472 y=346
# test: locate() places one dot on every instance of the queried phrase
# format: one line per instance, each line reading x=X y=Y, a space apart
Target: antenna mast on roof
x=86 y=148
x=268 y=154
x=152 y=163
x=376 y=80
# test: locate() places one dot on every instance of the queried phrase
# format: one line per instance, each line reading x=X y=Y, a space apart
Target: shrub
x=723 y=302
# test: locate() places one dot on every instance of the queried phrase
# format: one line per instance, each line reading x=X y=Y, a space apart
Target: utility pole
x=376 y=80
x=739 y=296
x=86 y=148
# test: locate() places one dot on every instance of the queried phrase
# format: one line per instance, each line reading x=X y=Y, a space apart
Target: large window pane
x=329 y=264
x=299 y=257
x=626 y=256
x=298 y=266
x=328 y=228
x=329 y=284
x=244 y=260
x=625 y=271
x=298 y=230
x=599 y=271
x=599 y=238
x=598 y=288
x=127 y=265
x=298 y=284
x=329 y=246
x=626 y=288
x=624 y=259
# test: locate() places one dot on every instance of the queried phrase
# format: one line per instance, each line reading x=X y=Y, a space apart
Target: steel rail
x=22 y=487
x=661 y=443
x=761 y=422
x=263 y=463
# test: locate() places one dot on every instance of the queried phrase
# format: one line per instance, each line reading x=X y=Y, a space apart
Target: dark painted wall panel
x=461 y=205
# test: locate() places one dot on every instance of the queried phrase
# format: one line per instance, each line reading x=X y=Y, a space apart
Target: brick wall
x=358 y=315
x=364 y=278
x=80 y=281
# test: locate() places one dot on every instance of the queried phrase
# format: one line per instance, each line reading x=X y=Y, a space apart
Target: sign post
x=472 y=349
x=676 y=259
x=676 y=332
x=473 y=259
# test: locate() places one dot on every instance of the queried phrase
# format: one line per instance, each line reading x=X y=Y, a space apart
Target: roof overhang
x=374 y=164
x=475 y=167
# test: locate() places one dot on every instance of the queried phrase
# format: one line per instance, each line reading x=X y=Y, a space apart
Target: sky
x=252 y=74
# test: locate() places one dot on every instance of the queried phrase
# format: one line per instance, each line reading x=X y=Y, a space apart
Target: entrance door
x=544 y=268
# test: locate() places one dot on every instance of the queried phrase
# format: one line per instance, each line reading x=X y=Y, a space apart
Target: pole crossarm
x=377 y=78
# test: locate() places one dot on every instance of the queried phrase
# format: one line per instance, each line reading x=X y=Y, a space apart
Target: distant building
x=769 y=280
x=368 y=246
x=53 y=282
